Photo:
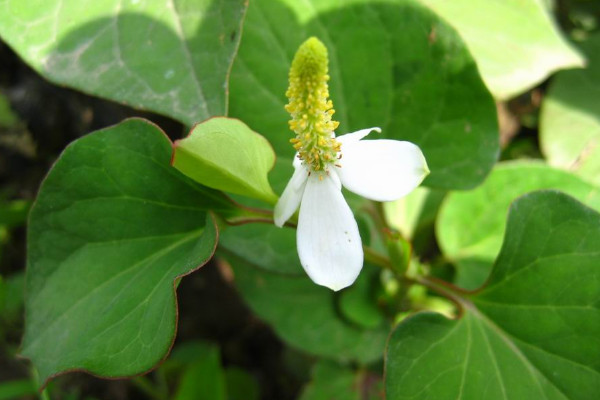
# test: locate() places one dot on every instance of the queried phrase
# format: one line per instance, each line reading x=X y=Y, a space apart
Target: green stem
x=447 y=290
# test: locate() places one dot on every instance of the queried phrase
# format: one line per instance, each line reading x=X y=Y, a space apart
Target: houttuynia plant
x=384 y=245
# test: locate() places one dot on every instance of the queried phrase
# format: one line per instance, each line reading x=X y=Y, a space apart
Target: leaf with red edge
x=113 y=229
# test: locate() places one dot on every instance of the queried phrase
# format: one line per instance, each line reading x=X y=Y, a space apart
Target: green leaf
x=570 y=117
x=11 y=300
x=264 y=245
x=17 y=389
x=241 y=385
x=171 y=57
x=516 y=43
x=395 y=65
x=14 y=213
x=471 y=224
x=204 y=379
x=331 y=381
x=225 y=154
x=314 y=325
x=358 y=302
x=113 y=229
x=533 y=332
x=413 y=212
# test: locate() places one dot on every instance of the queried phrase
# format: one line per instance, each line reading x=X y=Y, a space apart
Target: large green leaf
x=516 y=43
x=570 y=117
x=393 y=64
x=112 y=230
x=172 y=57
x=225 y=154
x=533 y=332
x=304 y=314
x=471 y=224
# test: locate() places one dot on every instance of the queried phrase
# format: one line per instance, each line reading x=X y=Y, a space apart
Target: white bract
x=329 y=244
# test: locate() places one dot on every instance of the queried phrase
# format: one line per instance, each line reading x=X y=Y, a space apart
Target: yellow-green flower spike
x=311 y=108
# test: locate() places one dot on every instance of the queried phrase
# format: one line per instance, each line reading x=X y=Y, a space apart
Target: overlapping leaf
x=533 y=332
x=225 y=154
x=471 y=224
x=113 y=227
x=172 y=57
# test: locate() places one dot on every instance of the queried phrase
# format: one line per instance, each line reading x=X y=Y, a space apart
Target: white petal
x=292 y=195
x=328 y=241
x=356 y=136
x=381 y=170
x=297 y=163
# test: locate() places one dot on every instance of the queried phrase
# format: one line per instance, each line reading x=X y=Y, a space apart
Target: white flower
x=328 y=240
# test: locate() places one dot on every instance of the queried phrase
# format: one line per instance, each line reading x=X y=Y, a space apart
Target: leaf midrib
x=507 y=339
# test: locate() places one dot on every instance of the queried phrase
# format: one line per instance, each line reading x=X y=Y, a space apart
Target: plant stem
x=456 y=295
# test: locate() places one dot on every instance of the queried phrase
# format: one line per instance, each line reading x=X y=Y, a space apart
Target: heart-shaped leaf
x=225 y=154
x=172 y=57
x=570 y=117
x=112 y=230
x=471 y=224
x=516 y=43
x=533 y=332
x=393 y=64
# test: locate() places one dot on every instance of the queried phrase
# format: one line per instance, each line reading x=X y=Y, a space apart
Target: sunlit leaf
x=172 y=57
x=225 y=154
x=570 y=117
x=516 y=43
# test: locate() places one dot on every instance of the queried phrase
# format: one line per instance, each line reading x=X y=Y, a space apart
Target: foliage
x=508 y=249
